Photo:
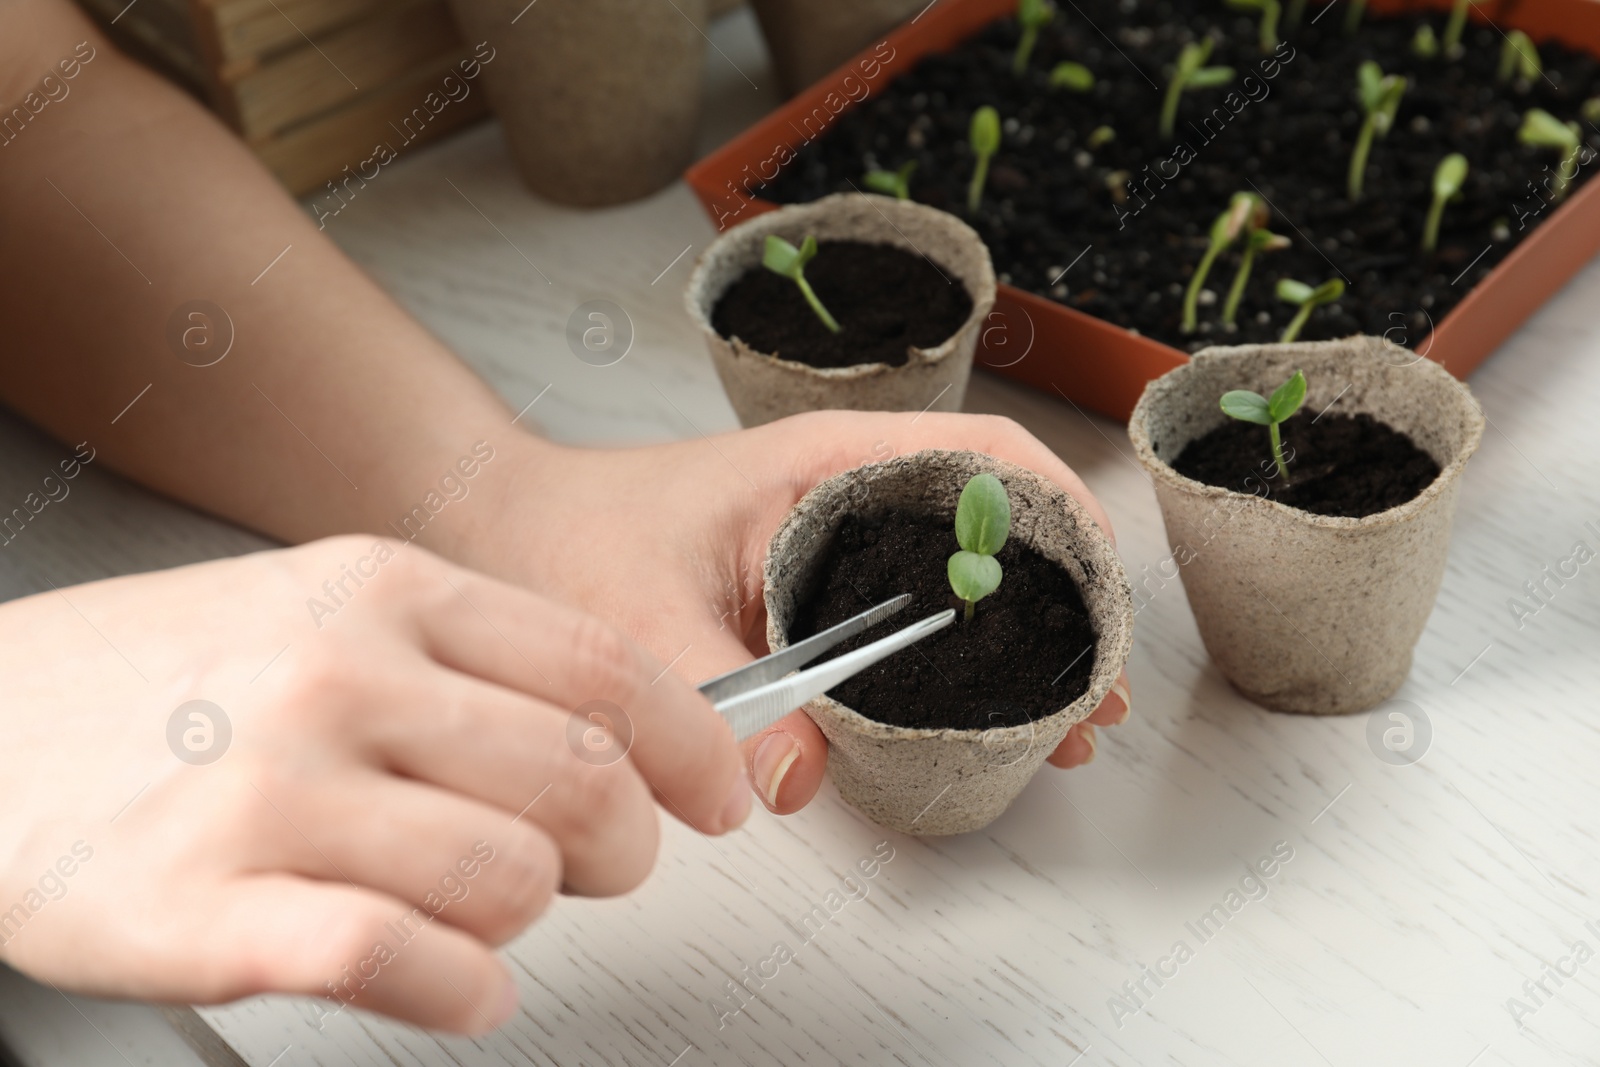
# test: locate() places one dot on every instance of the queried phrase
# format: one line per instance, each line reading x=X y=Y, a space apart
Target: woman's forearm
x=123 y=205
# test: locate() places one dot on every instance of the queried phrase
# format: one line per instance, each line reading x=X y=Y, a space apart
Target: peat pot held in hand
x=1306 y=611
x=939 y=738
x=908 y=286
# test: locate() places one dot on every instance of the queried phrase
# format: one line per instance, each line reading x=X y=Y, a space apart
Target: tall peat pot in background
x=599 y=99
x=808 y=38
x=912 y=287
x=1309 y=612
x=1063 y=594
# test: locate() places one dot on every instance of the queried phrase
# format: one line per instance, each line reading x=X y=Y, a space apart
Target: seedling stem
x=781 y=257
x=1380 y=95
x=1308 y=299
x=1225 y=229
x=984 y=136
x=1270 y=412
x=1190 y=73
x=1448 y=178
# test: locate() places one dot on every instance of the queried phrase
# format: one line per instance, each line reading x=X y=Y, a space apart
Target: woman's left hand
x=667 y=543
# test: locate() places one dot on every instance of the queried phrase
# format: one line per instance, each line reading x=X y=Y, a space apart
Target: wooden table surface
x=1408 y=904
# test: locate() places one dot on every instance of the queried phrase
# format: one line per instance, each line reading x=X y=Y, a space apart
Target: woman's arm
x=122 y=201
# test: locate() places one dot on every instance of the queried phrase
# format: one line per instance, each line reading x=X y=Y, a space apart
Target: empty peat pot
x=1306 y=612
x=763 y=387
x=949 y=781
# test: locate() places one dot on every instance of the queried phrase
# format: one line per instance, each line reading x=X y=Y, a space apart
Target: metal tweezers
x=755 y=696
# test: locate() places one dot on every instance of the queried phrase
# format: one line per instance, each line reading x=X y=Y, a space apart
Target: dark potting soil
x=1139 y=208
x=1349 y=465
x=885 y=299
x=1028 y=651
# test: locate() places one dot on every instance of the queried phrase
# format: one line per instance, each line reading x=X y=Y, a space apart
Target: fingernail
x=773 y=760
x=1119 y=689
x=737 y=809
x=1088 y=736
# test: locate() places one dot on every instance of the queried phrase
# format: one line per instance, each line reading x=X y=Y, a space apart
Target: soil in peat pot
x=1138 y=208
x=1349 y=465
x=1028 y=651
x=885 y=299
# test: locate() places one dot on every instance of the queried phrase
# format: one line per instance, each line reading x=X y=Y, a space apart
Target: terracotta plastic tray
x=1094 y=363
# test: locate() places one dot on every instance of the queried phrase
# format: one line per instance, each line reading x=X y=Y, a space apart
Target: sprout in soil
x=1270 y=10
x=983 y=520
x=1191 y=72
x=1031 y=15
x=984 y=136
x=1591 y=110
x=1100 y=135
x=1380 y=95
x=1519 y=56
x=1259 y=240
x=1453 y=28
x=895 y=183
x=1241 y=210
x=1424 y=45
x=1074 y=76
x=1543 y=130
x=1353 y=16
x=1308 y=300
x=783 y=258
x=1448 y=178
x=1271 y=412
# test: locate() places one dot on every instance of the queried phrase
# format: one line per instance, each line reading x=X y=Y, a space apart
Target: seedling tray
x=1102 y=366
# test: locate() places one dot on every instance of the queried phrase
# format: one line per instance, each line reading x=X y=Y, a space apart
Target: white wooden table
x=1418 y=899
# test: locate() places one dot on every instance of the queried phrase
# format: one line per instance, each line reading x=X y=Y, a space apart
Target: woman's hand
x=386 y=781
x=667 y=543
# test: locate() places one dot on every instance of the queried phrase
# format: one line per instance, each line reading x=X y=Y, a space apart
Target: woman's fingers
x=511 y=638
x=354 y=948
x=445 y=856
x=1117 y=705
x=1080 y=744
x=537 y=765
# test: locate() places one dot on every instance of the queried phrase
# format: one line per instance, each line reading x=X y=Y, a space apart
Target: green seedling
x=1448 y=178
x=1269 y=10
x=781 y=257
x=1224 y=231
x=1453 y=29
x=895 y=183
x=1591 y=110
x=1100 y=135
x=1519 y=57
x=1259 y=240
x=1073 y=76
x=984 y=136
x=1190 y=72
x=1270 y=412
x=1424 y=45
x=1543 y=130
x=1307 y=300
x=983 y=521
x=1353 y=16
x=1031 y=15
x=1380 y=95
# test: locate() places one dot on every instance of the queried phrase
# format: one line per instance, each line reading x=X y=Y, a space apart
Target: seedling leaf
x=983 y=515
x=973 y=576
x=1073 y=76
x=1287 y=398
x=983 y=522
x=1246 y=406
